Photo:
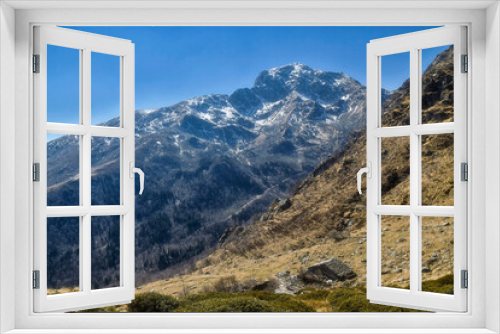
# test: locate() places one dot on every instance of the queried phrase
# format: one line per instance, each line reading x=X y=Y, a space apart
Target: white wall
x=187 y=17
x=7 y=162
x=492 y=164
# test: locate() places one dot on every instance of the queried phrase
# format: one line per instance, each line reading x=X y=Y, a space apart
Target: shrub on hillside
x=153 y=302
x=313 y=294
x=226 y=284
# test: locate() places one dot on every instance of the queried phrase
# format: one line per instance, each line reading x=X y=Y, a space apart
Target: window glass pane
x=437 y=169
x=437 y=254
x=105 y=171
x=395 y=93
x=395 y=237
x=63 y=85
x=105 y=231
x=63 y=256
x=105 y=90
x=395 y=170
x=437 y=84
x=63 y=170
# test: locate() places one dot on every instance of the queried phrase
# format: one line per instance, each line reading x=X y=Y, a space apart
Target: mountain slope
x=326 y=216
x=213 y=161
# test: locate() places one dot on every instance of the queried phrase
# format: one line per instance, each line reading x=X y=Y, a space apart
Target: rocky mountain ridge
x=212 y=161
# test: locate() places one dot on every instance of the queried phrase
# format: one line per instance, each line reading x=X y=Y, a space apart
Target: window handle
x=139 y=171
x=368 y=171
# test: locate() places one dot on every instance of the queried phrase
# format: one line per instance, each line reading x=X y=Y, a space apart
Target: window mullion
x=81 y=233
x=85 y=249
x=85 y=245
x=414 y=171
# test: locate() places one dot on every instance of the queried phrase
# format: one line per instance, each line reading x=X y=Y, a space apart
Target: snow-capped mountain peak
x=208 y=157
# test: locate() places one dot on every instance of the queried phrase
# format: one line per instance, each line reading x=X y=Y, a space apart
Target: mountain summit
x=276 y=83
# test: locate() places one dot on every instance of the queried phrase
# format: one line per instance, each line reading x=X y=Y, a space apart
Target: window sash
x=413 y=43
x=86 y=297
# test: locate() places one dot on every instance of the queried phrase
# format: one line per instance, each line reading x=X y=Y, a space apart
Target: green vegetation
x=254 y=301
x=354 y=300
x=440 y=285
x=347 y=299
x=153 y=302
x=237 y=304
x=313 y=294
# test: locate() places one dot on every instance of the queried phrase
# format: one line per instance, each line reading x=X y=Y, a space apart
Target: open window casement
x=410 y=232
x=54 y=220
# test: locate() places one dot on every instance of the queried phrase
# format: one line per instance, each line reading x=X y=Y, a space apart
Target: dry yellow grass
x=62 y=290
x=308 y=233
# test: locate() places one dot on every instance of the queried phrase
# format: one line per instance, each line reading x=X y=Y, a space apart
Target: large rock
x=332 y=269
x=284 y=204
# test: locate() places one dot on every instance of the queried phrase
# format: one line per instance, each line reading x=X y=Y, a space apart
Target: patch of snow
x=176 y=140
x=303 y=97
x=177 y=143
x=153 y=126
x=206 y=116
x=229 y=112
x=341 y=81
x=147 y=111
x=266 y=108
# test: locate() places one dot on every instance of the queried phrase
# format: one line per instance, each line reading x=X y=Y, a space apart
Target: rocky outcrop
x=287 y=283
x=320 y=274
x=330 y=270
x=284 y=204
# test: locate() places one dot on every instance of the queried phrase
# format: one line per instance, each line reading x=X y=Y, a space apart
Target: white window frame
x=413 y=43
x=484 y=51
x=86 y=44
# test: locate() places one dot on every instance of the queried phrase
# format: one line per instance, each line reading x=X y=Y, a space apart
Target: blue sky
x=177 y=63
